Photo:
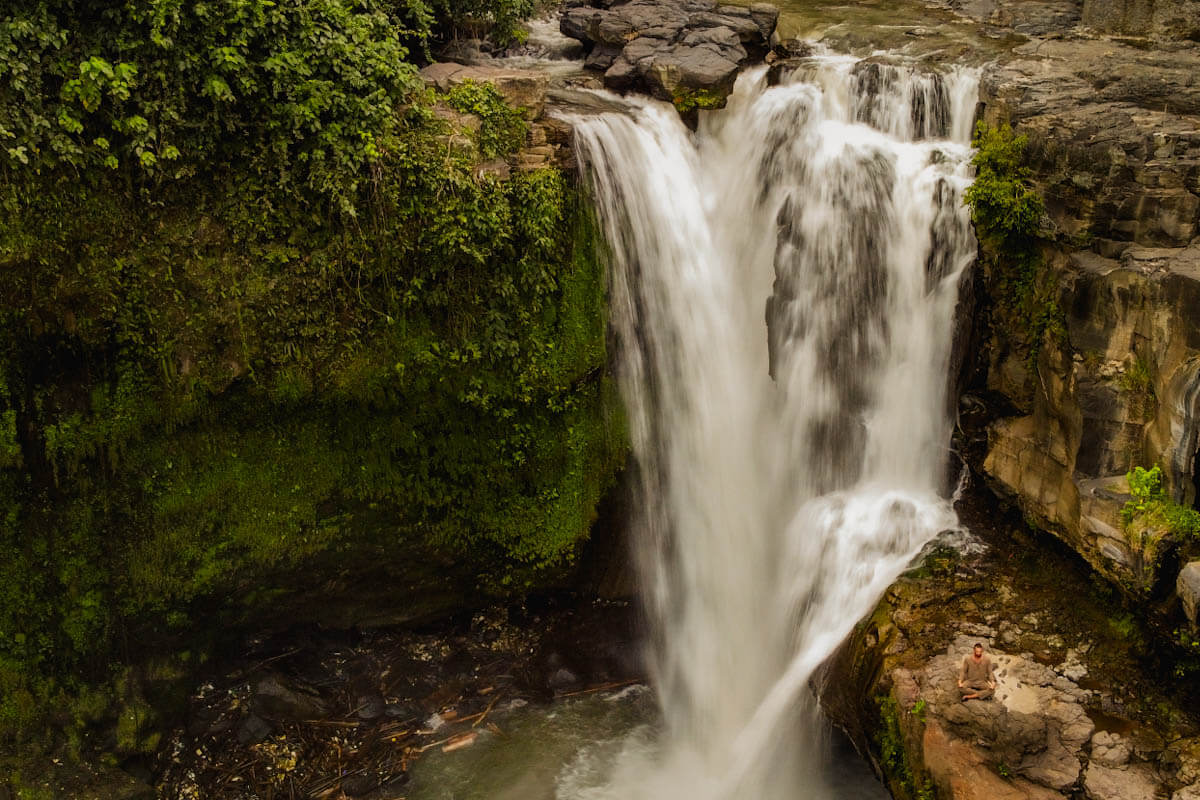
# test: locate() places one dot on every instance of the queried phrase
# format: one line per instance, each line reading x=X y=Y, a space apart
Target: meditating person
x=977 y=681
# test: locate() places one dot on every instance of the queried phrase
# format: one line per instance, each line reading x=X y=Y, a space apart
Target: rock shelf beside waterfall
x=685 y=51
x=1075 y=713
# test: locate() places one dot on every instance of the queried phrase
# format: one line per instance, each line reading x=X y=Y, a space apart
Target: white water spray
x=783 y=293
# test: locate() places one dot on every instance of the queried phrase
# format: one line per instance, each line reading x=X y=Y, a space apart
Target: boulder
x=521 y=88
x=277 y=697
x=465 y=51
x=1187 y=586
x=766 y=17
x=1187 y=753
x=672 y=49
x=961 y=772
x=253 y=729
x=1036 y=726
x=1188 y=793
x=690 y=69
x=1055 y=766
x=1107 y=783
x=1109 y=750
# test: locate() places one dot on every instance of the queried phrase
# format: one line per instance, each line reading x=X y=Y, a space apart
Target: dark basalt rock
x=277 y=697
x=671 y=48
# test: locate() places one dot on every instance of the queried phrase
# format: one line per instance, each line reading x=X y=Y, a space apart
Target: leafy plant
x=1136 y=379
x=1149 y=503
x=686 y=100
x=1004 y=206
x=502 y=128
x=1188 y=664
x=497 y=19
x=893 y=756
x=304 y=95
x=1007 y=211
x=1137 y=382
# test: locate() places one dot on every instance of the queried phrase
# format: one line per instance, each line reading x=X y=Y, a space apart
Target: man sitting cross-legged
x=977 y=681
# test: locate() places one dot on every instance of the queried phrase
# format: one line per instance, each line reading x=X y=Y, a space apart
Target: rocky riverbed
x=322 y=713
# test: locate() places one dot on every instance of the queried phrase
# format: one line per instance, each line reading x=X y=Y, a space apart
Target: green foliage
x=1138 y=383
x=1124 y=626
x=499 y=19
x=1187 y=663
x=273 y=329
x=1004 y=206
x=1150 y=505
x=686 y=100
x=502 y=128
x=1136 y=379
x=303 y=95
x=1006 y=210
x=1146 y=489
x=893 y=754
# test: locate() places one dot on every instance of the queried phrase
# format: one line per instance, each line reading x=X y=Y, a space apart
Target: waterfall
x=782 y=291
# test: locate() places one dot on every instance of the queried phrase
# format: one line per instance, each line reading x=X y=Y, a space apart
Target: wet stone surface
x=331 y=714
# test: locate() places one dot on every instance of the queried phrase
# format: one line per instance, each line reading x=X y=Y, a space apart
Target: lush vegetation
x=1149 y=505
x=686 y=100
x=265 y=326
x=1007 y=211
x=893 y=754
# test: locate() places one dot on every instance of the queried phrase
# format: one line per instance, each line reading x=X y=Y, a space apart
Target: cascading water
x=783 y=293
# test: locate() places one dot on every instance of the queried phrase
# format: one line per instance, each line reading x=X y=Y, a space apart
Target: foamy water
x=783 y=293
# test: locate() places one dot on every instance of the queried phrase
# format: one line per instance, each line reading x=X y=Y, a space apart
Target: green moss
x=1149 y=505
x=135 y=728
x=1007 y=211
x=502 y=128
x=941 y=561
x=686 y=100
x=894 y=758
x=222 y=417
x=288 y=338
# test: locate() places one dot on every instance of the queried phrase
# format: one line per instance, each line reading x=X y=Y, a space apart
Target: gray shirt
x=980 y=671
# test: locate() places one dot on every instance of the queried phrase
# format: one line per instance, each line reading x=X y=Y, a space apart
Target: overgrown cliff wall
x=277 y=348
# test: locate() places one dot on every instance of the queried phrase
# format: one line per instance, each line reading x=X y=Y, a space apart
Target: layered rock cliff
x=1112 y=383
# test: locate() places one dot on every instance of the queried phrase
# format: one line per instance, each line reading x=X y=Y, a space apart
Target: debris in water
x=462 y=740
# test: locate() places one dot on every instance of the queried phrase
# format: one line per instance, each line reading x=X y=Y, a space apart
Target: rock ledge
x=685 y=51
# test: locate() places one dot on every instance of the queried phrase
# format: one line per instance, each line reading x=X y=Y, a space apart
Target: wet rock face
x=1116 y=147
x=1187 y=586
x=672 y=49
x=1114 y=133
x=1164 y=19
x=1119 y=390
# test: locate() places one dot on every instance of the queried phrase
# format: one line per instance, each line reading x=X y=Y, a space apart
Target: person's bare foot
x=970 y=697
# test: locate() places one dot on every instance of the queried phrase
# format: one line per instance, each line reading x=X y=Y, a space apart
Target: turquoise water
x=557 y=752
